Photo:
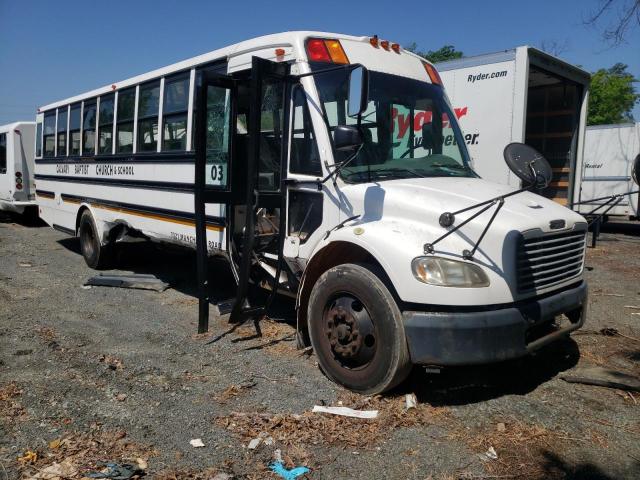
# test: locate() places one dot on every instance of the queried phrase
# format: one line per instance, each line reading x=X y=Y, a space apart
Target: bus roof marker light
x=385 y=44
x=113 y=86
x=280 y=52
x=374 y=41
x=336 y=52
x=317 y=50
x=395 y=47
x=434 y=76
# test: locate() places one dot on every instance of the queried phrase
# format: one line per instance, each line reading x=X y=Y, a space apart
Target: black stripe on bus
x=62 y=229
x=168 y=157
x=117 y=182
x=143 y=209
x=45 y=194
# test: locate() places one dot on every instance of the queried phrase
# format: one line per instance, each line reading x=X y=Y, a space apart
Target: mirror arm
x=337 y=168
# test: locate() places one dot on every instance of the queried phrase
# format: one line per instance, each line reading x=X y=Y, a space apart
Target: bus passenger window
x=148 y=105
x=62 y=131
x=39 y=139
x=105 y=127
x=49 y=134
x=125 y=114
x=174 y=113
x=89 y=128
x=3 y=153
x=304 y=150
x=74 y=130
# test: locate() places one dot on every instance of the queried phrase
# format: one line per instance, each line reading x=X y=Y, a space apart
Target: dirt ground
x=96 y=375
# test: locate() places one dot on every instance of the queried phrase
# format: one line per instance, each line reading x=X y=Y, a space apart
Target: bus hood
x=398 y=217
x=423 y=200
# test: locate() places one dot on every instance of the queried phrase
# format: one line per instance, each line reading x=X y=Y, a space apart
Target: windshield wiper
x=393 y=171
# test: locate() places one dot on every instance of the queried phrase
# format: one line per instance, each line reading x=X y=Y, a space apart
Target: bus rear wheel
x=356 y=330
x=96 y=255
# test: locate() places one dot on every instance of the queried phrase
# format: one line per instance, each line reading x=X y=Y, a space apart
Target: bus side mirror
x=358 y=91
x=347 y=137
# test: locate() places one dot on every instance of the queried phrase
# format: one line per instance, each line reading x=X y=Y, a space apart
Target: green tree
x=448 y=52
x=612 y=96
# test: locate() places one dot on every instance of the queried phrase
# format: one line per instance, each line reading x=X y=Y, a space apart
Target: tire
x=96 y=255
x=356 y=330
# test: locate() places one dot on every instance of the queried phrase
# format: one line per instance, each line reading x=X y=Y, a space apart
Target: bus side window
x=49 y=134
x=89 y=128
x=39 y=139
x=62 y=131
x=124 y=127
x=270 y=136
x=74 y=130
x=3 y=153
x=304 y=149
x=174 y=113
x=148 y=105
x=105 y=127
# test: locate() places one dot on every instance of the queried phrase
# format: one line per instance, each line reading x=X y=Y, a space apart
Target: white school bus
x=16 y=167
x=318 y=165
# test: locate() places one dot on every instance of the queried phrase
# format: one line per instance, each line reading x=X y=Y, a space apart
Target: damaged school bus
x=332 y=169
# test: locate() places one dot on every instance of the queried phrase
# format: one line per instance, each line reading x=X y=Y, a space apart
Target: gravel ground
x=108 y=374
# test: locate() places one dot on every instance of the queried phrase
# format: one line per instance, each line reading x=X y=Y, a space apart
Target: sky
x=50 y=50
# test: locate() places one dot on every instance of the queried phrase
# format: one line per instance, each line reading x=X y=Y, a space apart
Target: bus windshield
x=408 y=127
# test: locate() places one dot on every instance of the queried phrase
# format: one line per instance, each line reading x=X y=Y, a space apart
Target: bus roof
x=294 y=40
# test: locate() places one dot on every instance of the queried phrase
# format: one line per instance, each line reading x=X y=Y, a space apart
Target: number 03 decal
x=217 y=174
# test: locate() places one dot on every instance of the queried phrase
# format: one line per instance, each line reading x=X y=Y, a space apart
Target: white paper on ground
x=196 y=442
x=346 y=411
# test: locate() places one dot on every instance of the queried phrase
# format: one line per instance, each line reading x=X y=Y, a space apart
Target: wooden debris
x=602 y=377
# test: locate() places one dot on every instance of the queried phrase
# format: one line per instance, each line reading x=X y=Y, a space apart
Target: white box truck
x=17 y=142
x=609 y=153
x=520 y=95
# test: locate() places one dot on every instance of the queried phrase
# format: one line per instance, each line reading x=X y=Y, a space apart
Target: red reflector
x=18 y=186
x=280 y=52
x=433 y=74
x=385 y=44
x=374 y=41
x=317 y=50
x=395 y=47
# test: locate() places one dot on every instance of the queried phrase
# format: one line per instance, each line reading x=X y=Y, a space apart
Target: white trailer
x=320 y=165
x=520 y=95
x=609 y=152
x=16 y=166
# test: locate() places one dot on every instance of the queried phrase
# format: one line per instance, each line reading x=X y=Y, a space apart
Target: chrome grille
x=546 y=259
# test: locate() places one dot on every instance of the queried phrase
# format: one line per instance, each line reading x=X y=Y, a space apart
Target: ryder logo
x=402 y=121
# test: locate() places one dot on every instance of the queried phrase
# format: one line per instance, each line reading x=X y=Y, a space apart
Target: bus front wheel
x=356 y=330
x=96 y=255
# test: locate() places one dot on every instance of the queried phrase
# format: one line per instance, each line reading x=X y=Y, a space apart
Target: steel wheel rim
x=349 y=332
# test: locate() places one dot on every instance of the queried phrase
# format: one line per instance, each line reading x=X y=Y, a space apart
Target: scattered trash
x=501 y=427
x=253 y=444
x=222 y=476
x=196 y=443
x=65 y=469
x=85 y=287
x=139 y=281
x=279 y=469
x=633 y=307
x=262 y=438
x=277 y=455
x=29 y=457
x=608 y=295
x=25 y=264
x=346 y=412
x=115 y=471
x=491 y=454
x=602 y=377
x=410 y=401
x=121 y=397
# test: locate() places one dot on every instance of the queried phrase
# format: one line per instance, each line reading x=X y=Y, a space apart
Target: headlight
x=448 y=273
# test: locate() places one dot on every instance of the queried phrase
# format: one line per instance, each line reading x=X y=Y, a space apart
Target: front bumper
x=474 y=337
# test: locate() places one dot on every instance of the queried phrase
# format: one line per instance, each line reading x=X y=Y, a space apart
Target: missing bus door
x=249 y=170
